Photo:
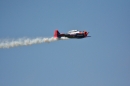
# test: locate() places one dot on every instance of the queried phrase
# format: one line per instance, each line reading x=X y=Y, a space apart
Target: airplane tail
x=56 y=34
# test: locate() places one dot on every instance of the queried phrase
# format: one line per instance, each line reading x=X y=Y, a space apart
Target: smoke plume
x=27 y=41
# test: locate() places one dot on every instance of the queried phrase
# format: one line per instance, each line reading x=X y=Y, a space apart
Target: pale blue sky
x=102 y=60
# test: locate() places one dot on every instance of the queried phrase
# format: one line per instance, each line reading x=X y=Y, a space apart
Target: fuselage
x=71 y=34
x=77 y=35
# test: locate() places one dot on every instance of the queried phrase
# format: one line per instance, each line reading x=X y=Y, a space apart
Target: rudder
x=56 y=34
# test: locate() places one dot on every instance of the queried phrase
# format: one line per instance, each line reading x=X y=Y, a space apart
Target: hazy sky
x=102 y=60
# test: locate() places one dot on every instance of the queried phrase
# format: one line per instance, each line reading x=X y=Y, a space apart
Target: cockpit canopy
x=71 y=31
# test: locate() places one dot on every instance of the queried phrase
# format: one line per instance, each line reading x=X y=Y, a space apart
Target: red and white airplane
x=71 y=34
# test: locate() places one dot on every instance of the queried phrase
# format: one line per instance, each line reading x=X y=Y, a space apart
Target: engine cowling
x=85 y=33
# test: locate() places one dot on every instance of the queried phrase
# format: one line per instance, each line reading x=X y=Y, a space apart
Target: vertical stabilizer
x=56 y=34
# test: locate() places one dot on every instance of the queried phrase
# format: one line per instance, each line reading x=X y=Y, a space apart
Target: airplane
x=72 y=34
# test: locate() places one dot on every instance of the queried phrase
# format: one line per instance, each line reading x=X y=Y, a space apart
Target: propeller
x=88 y=36
x=86 y=33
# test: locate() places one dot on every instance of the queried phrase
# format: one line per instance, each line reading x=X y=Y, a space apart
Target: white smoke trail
x=27 y=41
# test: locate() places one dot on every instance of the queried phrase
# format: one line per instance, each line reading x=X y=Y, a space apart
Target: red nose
x=85 y=33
